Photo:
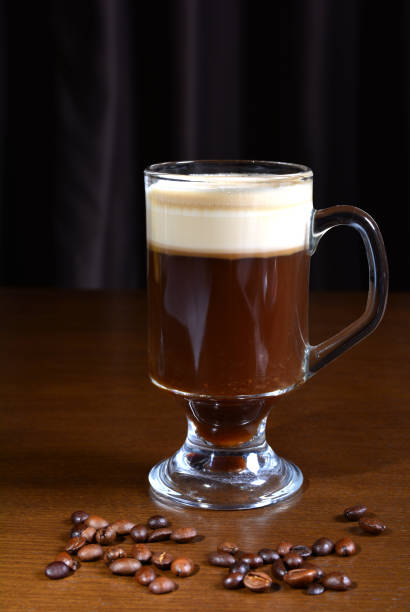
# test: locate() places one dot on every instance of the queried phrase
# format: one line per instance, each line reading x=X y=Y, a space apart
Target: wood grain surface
x=81 y=425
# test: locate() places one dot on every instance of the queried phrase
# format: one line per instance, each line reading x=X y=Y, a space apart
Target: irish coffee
x=229 y=245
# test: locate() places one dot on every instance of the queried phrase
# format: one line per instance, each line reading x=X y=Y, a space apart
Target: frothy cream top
x=229 y=215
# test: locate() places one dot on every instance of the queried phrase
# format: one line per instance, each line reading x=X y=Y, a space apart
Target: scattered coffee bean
x=75 y=544
x=227 y=547
x=240 y=566
x=123 y=527
x=57 y=570
x=77 y=530
x=90 y=552
x=105 y=535
x=318 y=570
x=372 y=525
x=184 y=534
x=161 y=585
x=336 y=581
x=278 y=569
x=234 y=580
x=221 y=559
x=300 y=578
x=141 y=552
x=72 y=563
x=139 y=533
x=159 y=535
x=125 y=566
x=292 y=560
x=183 y=567
x=268 y=555
x=253 y=560
x=345 y=547
x=257 y=581
x=162 y=560
x=303 y=551
x=96 y=521
x=113 y=553
x=283 y=548
x=157 y=521
x=355 y=512
x=145 y=575
x=82 y=531
x=79 y=516
x=315 y=589
x=322 y=547
x=89 y=534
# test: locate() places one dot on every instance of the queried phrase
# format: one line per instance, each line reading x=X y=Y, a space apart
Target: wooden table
x=81 y=425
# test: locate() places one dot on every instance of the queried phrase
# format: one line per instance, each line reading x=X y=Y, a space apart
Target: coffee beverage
x=229 y=248
x=228 y=295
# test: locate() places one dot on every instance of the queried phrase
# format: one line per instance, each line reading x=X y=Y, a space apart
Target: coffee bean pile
x=290 y=562
x=92 y=538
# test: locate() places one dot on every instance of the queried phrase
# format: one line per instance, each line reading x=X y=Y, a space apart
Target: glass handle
x=323 y=220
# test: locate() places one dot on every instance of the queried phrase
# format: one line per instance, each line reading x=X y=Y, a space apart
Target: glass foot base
x=225 y=479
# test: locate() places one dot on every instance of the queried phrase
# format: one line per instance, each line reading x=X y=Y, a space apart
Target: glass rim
x=172 y=170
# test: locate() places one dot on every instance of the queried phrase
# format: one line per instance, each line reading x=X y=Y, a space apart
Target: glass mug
x=229 y=247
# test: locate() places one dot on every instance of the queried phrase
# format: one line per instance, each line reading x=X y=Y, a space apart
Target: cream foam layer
x=229 y=216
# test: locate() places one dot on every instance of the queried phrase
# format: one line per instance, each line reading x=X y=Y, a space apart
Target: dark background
x=92 y=92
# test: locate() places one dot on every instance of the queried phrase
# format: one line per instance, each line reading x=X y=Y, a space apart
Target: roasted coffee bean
x=234 y=580
x=318 y=570
x=72 y=563
x=300 y=578
x=77 y=530
x=253 y=560
x=355 y=512
x=184 y=534
x=283 y=548
x=345 y=547
x=162 y=560
x=89 y=534
x=141 y=552
x=123 y=527
x=336 y=581
x=221 y=559
x=162 y=585
x=145 y=575
x=268 y=555
x=125 y=566
x=322 y=547
x=90 y=552
x=315 y=589
x=57 y=570
x=240 y=566
x=157 y=521
x=113 y=553
x=292 y=560
x=303 y=551
x=183 y=567
x=82 y=531
x=75 y=544
x=372 y=525
x=278 y=569
x=139 y=533
x=257 y=581
x=105 y=535
x=79 y=516
x=227 y=547
x=159 y=535
x=96 y=521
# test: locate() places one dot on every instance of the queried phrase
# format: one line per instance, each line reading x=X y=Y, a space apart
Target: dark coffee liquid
x=222 y=328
